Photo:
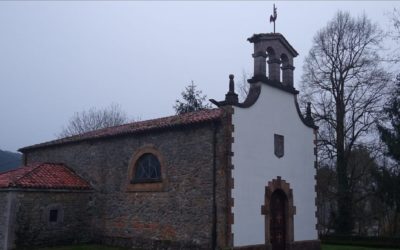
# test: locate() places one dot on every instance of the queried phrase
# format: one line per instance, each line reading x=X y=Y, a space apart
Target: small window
x=53 y=215
x=279 y=145
x=147 y=169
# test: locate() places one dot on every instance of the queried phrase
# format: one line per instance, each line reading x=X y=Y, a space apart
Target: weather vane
x=273 y=17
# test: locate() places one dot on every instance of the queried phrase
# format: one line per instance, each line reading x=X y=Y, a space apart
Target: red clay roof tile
x=43 y=176
x=140 y=126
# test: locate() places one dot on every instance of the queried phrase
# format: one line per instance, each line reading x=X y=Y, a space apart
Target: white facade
x=255 y=164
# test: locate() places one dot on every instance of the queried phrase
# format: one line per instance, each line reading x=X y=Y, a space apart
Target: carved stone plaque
x=279 y=146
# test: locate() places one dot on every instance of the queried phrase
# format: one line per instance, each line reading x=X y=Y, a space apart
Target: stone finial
x=308 y=117
x=308 y=112
x=231 y=84
x=231 y=97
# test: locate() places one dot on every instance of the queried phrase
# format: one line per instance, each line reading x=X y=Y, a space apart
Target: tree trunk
x=344 y=220
x=395 y=223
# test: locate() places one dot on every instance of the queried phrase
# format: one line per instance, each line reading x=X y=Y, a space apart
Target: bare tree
x=395 y=18
x=362 y=167
x=244 y=86
x=93 y=119
x=393 y=32
x=326 y=192
x=362 y=185
x=344 y=79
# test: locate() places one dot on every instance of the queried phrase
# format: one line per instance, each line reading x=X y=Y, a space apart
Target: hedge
x=370 y=241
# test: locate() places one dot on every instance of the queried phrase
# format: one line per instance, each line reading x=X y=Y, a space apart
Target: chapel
x=238 y=176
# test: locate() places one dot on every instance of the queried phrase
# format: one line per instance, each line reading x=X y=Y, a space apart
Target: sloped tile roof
x=138 y=127
x=43 y=176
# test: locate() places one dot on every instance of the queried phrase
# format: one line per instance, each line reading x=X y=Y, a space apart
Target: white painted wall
x=255 y=164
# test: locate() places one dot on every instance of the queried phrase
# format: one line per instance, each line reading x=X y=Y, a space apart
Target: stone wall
x=297 y=245
x=32 y=226
x=306 y=245
x=181 y=213
x=4 y=213
x=224 y=181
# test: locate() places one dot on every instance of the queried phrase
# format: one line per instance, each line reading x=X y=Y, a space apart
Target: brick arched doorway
x=279 y=210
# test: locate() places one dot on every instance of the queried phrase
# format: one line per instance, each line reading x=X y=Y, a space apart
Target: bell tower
x=273 y=66
x=273 y=60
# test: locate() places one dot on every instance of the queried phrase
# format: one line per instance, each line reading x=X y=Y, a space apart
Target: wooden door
x=278 y=220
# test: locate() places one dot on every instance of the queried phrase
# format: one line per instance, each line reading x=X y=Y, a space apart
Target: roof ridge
x=137 y=127
x=137 y=122
x=12 y=170
x=72 y=171
x=27 y=173
x=44 y=175
x=152 y=119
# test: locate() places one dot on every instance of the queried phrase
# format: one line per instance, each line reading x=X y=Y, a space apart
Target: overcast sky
x=60 y=57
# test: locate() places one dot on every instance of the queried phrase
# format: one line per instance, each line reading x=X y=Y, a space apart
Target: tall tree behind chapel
x=193 y=100
x=388 y=177
x=345 y=81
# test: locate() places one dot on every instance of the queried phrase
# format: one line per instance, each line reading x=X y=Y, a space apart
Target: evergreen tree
x=388 y=177
x=388 y=193
x=391 y=135
x=193 y=100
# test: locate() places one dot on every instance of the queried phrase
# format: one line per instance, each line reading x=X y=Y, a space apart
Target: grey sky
x=60 y=57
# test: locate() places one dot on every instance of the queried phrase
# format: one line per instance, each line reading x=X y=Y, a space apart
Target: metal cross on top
x=273 y=17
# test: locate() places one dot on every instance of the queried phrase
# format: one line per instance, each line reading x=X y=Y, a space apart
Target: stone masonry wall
x=180 y=213
x=3 y=220
x=223 y=177
x=32 y=220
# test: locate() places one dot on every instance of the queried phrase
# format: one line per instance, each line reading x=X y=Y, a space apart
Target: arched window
x=147 y=169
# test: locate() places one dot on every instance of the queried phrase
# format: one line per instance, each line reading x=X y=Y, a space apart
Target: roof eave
x=65 y=142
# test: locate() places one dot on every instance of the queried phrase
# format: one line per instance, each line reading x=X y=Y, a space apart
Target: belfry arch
x=273 y=65
x=278 y=208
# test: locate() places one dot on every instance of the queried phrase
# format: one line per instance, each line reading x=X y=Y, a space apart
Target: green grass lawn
x=340 y=247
